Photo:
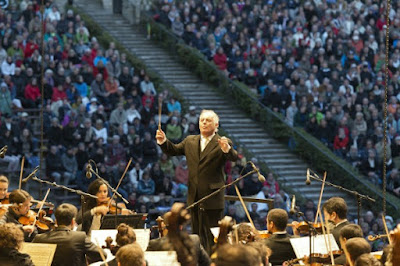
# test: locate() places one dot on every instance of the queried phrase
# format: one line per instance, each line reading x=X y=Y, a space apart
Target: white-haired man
x=206 y=155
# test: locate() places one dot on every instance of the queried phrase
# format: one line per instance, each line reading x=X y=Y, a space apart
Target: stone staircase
x=290 y=169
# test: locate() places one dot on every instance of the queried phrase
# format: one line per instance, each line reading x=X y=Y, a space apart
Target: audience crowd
x=319 y=63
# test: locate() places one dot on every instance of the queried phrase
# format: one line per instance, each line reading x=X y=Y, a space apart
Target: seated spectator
x=174 y=106
x=115 y=152
x=146 y=185
x=100 y=131
x=147 y=85
x=174 y=130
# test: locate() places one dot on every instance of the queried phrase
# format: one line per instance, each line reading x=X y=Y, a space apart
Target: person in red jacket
x=340 y=143
x=58 y=94
x=32 y=94
x=220 y=59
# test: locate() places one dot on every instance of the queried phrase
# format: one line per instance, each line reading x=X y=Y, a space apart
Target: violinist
x=72 y=246
x=279 y=242
x=95 y=209
x=21 y=204
x=3 y=194
x=356 y=247
x=11 y=240
x=347 y=232
x=164 y=244
x=335 y=211
x=125 y=236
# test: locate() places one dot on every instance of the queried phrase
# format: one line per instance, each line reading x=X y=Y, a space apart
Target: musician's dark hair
x=11 y=236
x=130 y=255
x=351 y=231
x=3 y=179
x=65 y=213
x=367 y=260
x=93 y=189
x=263 y=251
x=336 y=204
x=125 y=235
x=279 y=217
x=237 y=255
x=357 y=246
x=243 y=231
x=19 y=196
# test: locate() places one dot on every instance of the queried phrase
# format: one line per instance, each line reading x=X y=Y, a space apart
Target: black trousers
x=202 y=221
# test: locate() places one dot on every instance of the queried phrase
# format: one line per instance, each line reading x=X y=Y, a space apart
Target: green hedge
x=309 y=148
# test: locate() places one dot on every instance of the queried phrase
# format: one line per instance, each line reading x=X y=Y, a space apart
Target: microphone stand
x=219 y=190
x=358 y=195
x=54 y=184
x=311 y=231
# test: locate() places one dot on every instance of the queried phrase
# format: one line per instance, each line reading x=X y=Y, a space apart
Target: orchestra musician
x=11 y=240
x=357 y=246
x=279 y=242
x=164 y=244
x=335 y=211
x=72 y=246
x=94 y=209
x=347 y=232
x=130 y=255
x=3 y=187
x=125 y=236
x=21 y=203
x=3 y=194
x=237 y=255
x=206 y=155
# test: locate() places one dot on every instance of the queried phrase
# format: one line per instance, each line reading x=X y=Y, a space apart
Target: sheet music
x=161 y=258
x=142 y=238
x=215 y=231
x=101 y=236
x=41 y=254
x=301 y=245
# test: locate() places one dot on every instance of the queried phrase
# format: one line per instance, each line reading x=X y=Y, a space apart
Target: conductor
x=206 y=155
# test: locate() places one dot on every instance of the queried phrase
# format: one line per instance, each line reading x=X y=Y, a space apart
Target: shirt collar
x=336 y=225
x=280 y=233
x=209 y=138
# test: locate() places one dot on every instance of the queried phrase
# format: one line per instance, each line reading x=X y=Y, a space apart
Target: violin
x=264 y=234
x=5 y=203
x=376 y=237
x=29 y=219
x=304 y=228
x=110 y=246
x=113 y=207
x=162 y=228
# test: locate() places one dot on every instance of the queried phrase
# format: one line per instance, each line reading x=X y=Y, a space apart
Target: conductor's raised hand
x=224 y=144
x=160 y=137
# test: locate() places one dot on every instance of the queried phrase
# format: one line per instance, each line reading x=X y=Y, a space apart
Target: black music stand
x=136 y=221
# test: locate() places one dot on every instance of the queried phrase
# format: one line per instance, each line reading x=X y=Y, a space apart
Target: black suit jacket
x=206 y=168
x=281 y=248
x=162 y=244
x=72 y=246
x=336 y=231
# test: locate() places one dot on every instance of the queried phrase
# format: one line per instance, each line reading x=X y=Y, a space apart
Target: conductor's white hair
x=212 y=114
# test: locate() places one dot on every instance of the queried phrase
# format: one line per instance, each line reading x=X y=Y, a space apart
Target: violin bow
x=346 y=252
x=329 y=239
x=100 y=251
x=323 y=230
x=244 y=206
x=41 y=207
x=21 y=172
x=386 y=229
x=120 y=181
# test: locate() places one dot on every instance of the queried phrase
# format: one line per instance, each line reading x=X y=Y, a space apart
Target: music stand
x=136 y=221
